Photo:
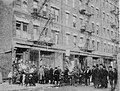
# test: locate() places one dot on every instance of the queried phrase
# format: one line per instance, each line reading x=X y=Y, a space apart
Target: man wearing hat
x=87 y=76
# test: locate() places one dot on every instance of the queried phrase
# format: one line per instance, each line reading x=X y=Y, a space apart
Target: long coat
x=41 y=73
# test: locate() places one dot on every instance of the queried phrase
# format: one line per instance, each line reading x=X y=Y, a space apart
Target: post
x=118 y=65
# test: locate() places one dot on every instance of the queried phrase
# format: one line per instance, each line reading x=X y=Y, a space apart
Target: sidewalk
x=7 y=87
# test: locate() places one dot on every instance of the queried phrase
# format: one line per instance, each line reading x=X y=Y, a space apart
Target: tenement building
x=63 y=33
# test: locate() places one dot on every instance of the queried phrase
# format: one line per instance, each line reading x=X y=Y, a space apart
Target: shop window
x=18 y=25
x=25 y=26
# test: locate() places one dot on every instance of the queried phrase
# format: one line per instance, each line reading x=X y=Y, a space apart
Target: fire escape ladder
x=45 y=26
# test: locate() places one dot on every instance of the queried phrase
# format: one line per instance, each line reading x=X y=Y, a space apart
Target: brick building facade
x=65 y=33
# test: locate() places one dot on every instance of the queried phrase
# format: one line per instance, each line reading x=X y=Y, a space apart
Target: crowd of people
x=99 y=75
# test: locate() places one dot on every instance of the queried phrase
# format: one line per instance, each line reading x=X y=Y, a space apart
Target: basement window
x=18 y=25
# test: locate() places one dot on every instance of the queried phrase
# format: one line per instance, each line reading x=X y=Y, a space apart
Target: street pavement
x=48 y=87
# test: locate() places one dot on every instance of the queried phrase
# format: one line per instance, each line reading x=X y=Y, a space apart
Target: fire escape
x=84 y=28
x=115 y=26
x=49 y=19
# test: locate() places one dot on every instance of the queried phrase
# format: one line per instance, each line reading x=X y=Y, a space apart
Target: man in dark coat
x=111 y=77
x=93 y=75
x=51 y=75
x=97 y=76
x=104 y=78
x=115 y=77
x=87 y=76
x=56 y=75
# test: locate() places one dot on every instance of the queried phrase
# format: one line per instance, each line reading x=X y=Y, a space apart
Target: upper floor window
x=111 y=33
x=98 y=45
x=107 y=18
x=18 y=25
x=108 y=32
x=25 y=3
x=55 y=13
x=67 y=18
x=57 y=38
x=74 y=21
x=74 y=39
x=103 y=16
x=93 y=44
x=92 y=9
x=97 y=13
x=67 y=39
x=93 y=27
x=35 y=5
x=25 y=26
x=97 y=29
x=81 y=21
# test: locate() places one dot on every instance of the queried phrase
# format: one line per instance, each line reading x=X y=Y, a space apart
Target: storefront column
x=40 y=61
x=118 y=63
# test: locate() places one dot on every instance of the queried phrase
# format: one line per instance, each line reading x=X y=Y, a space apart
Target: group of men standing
x=101 y=76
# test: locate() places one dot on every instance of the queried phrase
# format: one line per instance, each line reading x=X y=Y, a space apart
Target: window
x=111 y=33
x=97 y=29
x=108 y=32
x=74 y=39
x=97 y=13
x=25 y=25
x=112 y=49
x=18 y=25
x=35 y=6
x=81 y=21
x=56 y=38
x=80 y=2
x=67 y=39
x=103 y=16
x=103 y=4
x=104 y=31
x=24 y=5
x=81 y=39
x=104 y=47
x=98 y=45
x=74 y=21
x=93 y=44
x=35 y=32
x=55 y=13
x=67 y=18
x=93 y=26
x=44 y=10
x=92 y=9
x=107 y=18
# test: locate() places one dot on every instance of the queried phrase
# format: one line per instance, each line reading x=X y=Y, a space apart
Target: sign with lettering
x=42 y=43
